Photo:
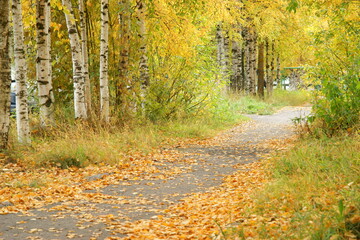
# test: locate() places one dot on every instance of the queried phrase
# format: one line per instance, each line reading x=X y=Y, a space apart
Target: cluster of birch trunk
x=80 y=63
x=248 y=64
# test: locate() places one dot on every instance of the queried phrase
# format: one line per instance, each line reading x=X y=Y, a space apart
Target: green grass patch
x=317 y=186
x=279 y=99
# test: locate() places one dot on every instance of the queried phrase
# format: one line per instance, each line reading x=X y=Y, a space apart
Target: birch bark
x=143 y=64
x=104 y=54
x=22 y=113
x=250 y=58
x=43 y=62
x=77 y=63
x=253 y=56
x=124 y=89
x=85 y=57
x=5 y=78
x=220 y=51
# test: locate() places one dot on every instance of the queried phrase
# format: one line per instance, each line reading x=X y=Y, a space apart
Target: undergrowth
x=79 y=144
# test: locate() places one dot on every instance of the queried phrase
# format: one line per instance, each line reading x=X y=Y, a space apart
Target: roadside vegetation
x=79 y=144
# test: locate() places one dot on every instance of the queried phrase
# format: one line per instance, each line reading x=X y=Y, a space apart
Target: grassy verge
x=279 y=99
x=314 y=193
x=81 y=144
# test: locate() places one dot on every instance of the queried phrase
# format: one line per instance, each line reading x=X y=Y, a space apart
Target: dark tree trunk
x=260 y=70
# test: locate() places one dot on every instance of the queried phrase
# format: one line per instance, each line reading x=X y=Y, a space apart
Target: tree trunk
x=247 y=50
x=278 y=70
x=269 y=74
x=261 y=78
x=237 y=67
x=272 y=68
x=143 y=64
x=77 y=63
x=124 y=89
x=252 y=89
x=104 y=55
x=235 y=75
x=243 y=77
x=220 y=51
x=22 y=113
x=226 y=61
x=250 y=58
x=43 y=62
x=5 y=78
x=85 y=57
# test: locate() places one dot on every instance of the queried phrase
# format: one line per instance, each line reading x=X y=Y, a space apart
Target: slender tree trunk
x=226 y=60
x=220 y=52
x=243 y=77
x=143 y=64
x=235 y=73
x=272 y=68
x=278 y=70
x=125 y=87
x=76 y=52
x=250 y=56
x=104 y=58
x=22 y=113
x=253 y=56
x=5 y=78
x=247 y=52
x=85 y=57
x=261 y=78
x=237 y=67
x=269 y=69
x=43 y=62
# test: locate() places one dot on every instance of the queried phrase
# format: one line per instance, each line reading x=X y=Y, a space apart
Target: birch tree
x=250 y=57
x=104 y=53
x=261 y=78
x=77 y=63
x=269 y=68
x=85 y=56
x=125 y=99
x=22 y=115
x=143 y=63
x=43 y=62
x=5 y=79
x=220 y=51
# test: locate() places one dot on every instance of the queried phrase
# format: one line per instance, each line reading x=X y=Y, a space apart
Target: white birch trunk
x=85 y=57
x=22 y=113
x=5 y=78
x=247 y=43
x=269 y=68
x=77 y=63
x=252 y=89
x=236 y=67
x=143 y=64
x=125 y=90
x=104 y=53
x=43 y=62
x=220 y=50
x=278 y=69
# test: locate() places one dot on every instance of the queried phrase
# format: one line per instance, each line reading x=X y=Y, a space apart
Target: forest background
x=109 y=81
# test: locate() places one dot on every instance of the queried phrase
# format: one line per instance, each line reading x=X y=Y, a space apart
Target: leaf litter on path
x=116 y=205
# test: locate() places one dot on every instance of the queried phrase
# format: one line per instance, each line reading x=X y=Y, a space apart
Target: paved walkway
x=195 y=168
